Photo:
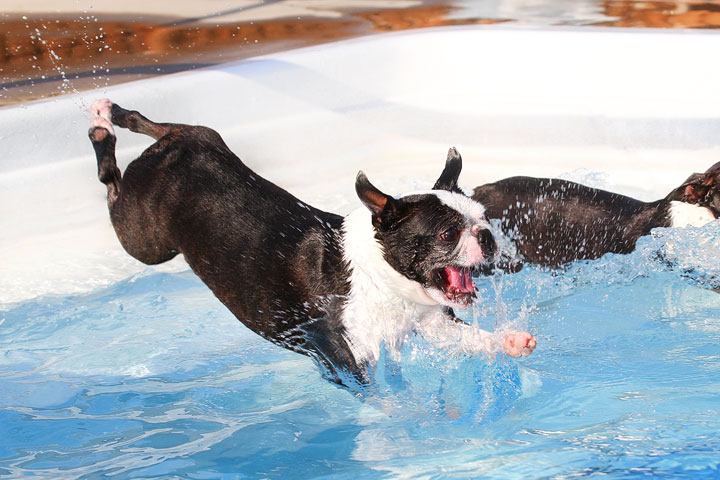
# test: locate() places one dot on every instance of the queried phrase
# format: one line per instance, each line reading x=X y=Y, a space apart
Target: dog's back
x=556 y=221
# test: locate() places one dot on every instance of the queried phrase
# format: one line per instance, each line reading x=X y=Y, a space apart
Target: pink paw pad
x=519 y=344
x=100 y=110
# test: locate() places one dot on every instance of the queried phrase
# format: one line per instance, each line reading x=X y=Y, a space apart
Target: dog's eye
x=449 y=235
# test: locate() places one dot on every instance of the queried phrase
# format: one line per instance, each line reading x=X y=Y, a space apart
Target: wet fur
x=553 y=222
x=281 y=266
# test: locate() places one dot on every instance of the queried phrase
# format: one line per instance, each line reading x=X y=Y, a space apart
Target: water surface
x=153 y=378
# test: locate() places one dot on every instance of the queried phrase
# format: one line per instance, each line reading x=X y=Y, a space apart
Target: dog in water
x=330 y=287
x=552 y=222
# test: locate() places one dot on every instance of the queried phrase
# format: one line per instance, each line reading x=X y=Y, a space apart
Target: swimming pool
x=151 y=377
x=110 y=368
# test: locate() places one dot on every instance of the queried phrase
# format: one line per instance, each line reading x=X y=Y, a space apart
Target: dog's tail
x=102 y=136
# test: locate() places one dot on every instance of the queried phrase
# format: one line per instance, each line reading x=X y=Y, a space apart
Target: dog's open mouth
x=456 y=283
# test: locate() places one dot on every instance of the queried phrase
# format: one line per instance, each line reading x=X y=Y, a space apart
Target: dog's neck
x=383 y=305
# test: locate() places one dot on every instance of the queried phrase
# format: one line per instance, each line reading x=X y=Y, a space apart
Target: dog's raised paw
x=100 y=110
x=97 y=133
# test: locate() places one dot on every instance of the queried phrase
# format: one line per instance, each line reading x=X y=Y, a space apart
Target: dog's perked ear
x=380 y=205
x=449 y=177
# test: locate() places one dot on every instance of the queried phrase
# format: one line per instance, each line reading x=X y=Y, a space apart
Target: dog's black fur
x=276 y=262
x=245 y=237
x=553 y=222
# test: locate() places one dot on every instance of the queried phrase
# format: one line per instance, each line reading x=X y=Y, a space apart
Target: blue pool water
x=153 y=378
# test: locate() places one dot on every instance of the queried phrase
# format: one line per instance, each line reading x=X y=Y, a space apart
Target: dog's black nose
x=487 y=243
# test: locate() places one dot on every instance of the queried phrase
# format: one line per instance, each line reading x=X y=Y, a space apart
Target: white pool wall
x=635 y=111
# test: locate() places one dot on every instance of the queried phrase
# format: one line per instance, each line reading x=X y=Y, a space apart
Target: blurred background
x=52 y=47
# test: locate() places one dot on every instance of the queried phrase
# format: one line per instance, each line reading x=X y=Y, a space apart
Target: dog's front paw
x=519 y=344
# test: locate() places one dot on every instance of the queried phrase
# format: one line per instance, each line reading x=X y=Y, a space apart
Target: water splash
x=690 y=253
x=50 y=48
x=584 y=176
x=443 y=385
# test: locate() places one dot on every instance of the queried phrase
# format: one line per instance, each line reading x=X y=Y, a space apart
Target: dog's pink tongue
x=459 y=280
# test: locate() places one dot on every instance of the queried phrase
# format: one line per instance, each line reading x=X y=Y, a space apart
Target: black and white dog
x=552 y=222
x=330 y=287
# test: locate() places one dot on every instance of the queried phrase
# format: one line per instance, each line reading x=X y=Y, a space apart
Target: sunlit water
x=153 y=378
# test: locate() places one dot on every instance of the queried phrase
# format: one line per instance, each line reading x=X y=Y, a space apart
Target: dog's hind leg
x=136 y=122
x=143 y=236
x=102 y=136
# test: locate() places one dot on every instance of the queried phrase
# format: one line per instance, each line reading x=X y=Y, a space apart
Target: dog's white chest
x=684 y=214
x=383 y=305
x=370 y=325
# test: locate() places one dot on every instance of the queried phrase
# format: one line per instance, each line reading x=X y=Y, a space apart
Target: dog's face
x=435 y=238
x=702 y=189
